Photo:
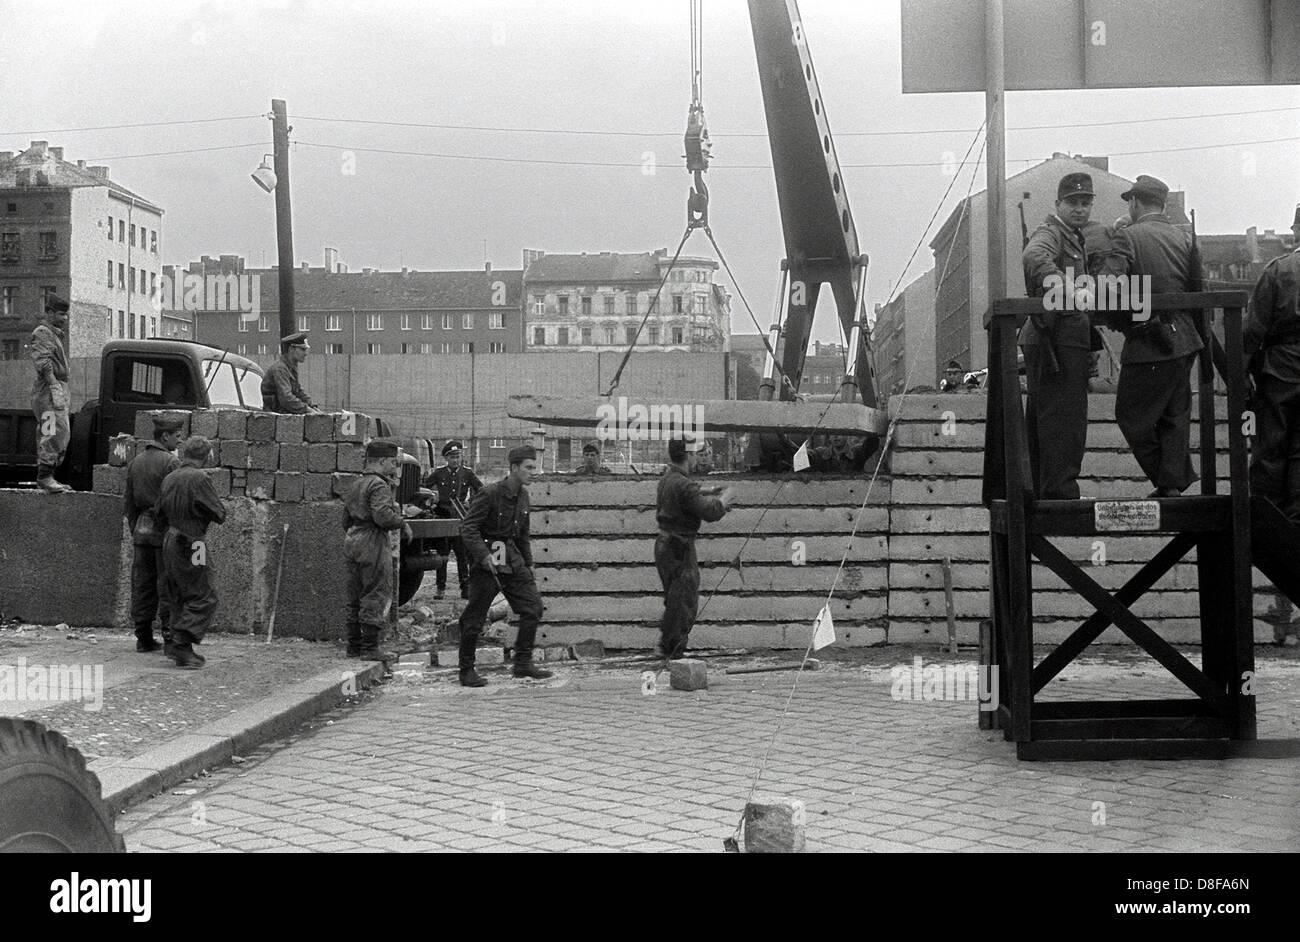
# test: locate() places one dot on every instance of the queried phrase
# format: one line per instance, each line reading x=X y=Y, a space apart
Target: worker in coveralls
x=495 y=531
x=455 y=485
x=187 y=505
x=281 y=391
x=144 y=477
x=51 y=399
x=682 y=505
x=374 y=525
x=1272 y=344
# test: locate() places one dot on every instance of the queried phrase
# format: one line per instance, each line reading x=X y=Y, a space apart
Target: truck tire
x=408 y=585
x=49 y=802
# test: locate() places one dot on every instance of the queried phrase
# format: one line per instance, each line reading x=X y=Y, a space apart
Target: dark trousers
x=520 y=590
x=370 y=593
x=447 y=546
x=1153 y=406
x=188 y=589
x=1056 y=417
x=146 y=581
x=679 y=571
x=1275 y=452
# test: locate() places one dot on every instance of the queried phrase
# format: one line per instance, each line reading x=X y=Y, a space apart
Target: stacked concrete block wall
x=593 y=545
x=937 y=467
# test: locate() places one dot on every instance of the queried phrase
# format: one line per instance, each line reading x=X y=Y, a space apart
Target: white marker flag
x=801 y=457
x=823 y=629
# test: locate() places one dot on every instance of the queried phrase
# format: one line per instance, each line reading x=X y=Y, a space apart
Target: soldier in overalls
x=374 y=525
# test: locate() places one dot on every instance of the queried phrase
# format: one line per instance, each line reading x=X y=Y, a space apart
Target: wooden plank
x=788 y=607
x=1075 y=518
x=1239 y=575
x=781 y=578
x=657 y=418
x=928 y=574
x=1092 y=709
x=758 y=549
x=916 y=603
x=1050 y=632
x=969 y=464
x=1131 y=727
x=1075 y=750
x=1120 y=549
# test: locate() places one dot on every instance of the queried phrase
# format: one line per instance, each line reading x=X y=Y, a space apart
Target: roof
x=186 y=348
x=607 y=267
x=61 y=173
x=315 y=289
x=1229 y=249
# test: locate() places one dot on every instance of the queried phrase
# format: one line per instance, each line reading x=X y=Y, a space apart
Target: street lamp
x=264 y=176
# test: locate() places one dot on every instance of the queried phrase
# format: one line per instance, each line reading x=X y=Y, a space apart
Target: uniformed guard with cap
x=681 y=505
x=1057 y=343
x=373 y=521
x=1272 y=346
x=281 y=391
x=952 y=374
x=455 y=485
x=497 y=541
x=51 y=399
x=591 y=465
x=144 y=477
x=1153 y=402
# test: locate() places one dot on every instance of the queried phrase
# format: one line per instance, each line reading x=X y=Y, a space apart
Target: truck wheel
x=49 y=803
x=408 y=585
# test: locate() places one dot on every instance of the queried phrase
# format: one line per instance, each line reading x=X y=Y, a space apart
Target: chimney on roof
x=57 y=152
x=1252 y=245
x=101 y=172
x=487 y=266
x=331 y=259
x=40 y=147
x=1097 y=163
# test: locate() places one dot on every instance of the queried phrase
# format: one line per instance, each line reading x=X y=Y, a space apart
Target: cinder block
x=416 y=659
x=351 y=457
x=352 y=427
x=234 y=452
x=688 y=674
x=322 y=456
x=555 y=652
x=264 y=456
x=288 y=428
x=261 y=426
x=238 y=477
x=232 y=423
x=144 y=421
x=144 y=424
x=107 y=479
x=490 y=655
x=220 y=478
x=293 y=457
x=589 y=648
x=446 y=657
x=260 y=485
x=774 y=826
x=236 y=490
x=343 y=482
x=318 y=427
x=121 y=449
x=204 y=422
x=288 y=485
x=317 y=486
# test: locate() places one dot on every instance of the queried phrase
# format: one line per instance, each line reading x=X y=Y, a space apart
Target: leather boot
x=144 y=642
x=185 y=656
x=370 y=650
x=470 y=678
x=524 y=667
x=354 y=639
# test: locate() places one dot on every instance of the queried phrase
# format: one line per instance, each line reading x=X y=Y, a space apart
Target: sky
x=614 y=77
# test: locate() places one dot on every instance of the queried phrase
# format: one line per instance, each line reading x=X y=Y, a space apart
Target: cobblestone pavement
x=591 y=762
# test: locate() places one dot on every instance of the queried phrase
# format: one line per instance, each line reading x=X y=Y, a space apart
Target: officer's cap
x=591 y=448
x=451 y=446
x=522 y=453
x=56 y=305
x=1074 y=184
x=953 y=365
x=296 y=339
x=1148 y=188
x=381 y=448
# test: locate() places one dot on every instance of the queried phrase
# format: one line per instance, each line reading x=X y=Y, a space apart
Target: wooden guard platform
x=1217 y=526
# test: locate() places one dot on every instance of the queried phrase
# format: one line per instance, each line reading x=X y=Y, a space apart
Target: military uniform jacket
x=188 y=501
x=144 y=477
x=583 y=472
x=281 y=391
x=1152 y=246
x=499 y=513
x=461 y=484
x=372 y=519
x=51 y=361
x=1273 y=318
x=681 y=506
x=1052 y=249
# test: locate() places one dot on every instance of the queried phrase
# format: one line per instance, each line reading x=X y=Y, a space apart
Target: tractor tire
x=49 y=803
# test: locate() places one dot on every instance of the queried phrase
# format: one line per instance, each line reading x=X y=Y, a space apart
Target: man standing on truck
x=281 y=391
x=51 y=399
x=144 y=477
x=373 y=521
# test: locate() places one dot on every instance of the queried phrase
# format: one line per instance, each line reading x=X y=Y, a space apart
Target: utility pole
x=283 y=216
x=995 y=135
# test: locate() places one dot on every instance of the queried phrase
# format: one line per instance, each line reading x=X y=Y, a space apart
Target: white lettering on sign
x=1126 y=514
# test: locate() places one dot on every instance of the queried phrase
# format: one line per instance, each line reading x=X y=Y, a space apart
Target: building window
x=374 y=321
x=586 y=336
x=444 y=347
x=332 y=322
x=110 y=274
x=374 y=348
x=261 y=350
x=677 y=335
x=9 y=350
x=121 y=230
x=131 y=280
x=539 y=336
x=426 y=322
x=497 y=346
x=467 y=322
x=539 y=305
x=241 y=324
x=498 y=443
x=142 y=281
x=609 y=336
x=130 y=328
x=49 y=246
x=333 y=348
x=304 y=322
x=677 y=304
x=609 y=305
x=121 y=275
x=153 y=241
x=242 y=349
x=426 y=348
x=654 y=333
x=9 y=301
x=153 y=284
x=110 y=228
x=263 y=323
x=46 y=292
x=121 y=323
x=632 y=305
x=563 y=339
x=409 y=348
x=631 y=335
x=133 y=235
x=497 y=320
x=446 y=322
x=564 y=305
x=9 y=247
x=466 y=348
x=586 y=306
x=144 y=326
x=405 y=325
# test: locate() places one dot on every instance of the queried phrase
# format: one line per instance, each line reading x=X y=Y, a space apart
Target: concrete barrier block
x=317 y=486
x=322 y=456
x=220 y=478
x=204 y=422
x=350 y=457
x=261 y=426
x=144 y=421
x=688 y=674
x=264 y=456
x=416 y=659
x=107 y=479
x=493 y=654
x=260 y=485
x=121 y=449
x=288 y=428
x=293 y=456
x=288 y=485
x=232 y=423
x=352 y=427
x=234 y=453
x=144 y=424
x=342 y=483
x=318 y=428
x=774 y=826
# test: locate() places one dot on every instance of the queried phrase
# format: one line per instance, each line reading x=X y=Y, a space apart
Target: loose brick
x=232 y=423
x=288 y=485
x=263 y=456
x=107 y=479
x=260 y=485
x=352 y=427
x=322 y=456
x=317 y=486
x=261 y=426
x=288 y=428
x=343 y=483
x=293 y=457
x=234 y=453
x=205 y=422
x=688 y=674
x=492 y=654
x=774 y=826
x=121 y=449
x=318 y=427
x=220 y=478
x=589 y=648
x=351 y=457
